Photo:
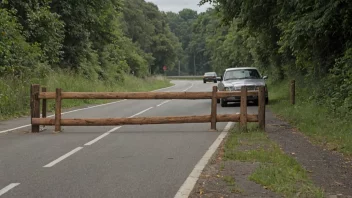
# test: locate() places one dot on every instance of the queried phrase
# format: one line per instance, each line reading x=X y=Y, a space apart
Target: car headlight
x=227 y=88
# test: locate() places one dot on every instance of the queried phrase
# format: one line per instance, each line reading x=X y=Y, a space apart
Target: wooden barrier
x=213 y=118
x=293 y=92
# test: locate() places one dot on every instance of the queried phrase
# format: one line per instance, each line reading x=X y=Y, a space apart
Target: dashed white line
x=101 y=136
x=96 y=139
x=114 y=129
x=189 y=87
x=51 y=164
x=191 y=180
x=8 y=188
x=141 y=112
x=163 y=103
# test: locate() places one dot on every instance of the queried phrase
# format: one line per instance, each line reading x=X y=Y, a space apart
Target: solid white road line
x=8 y=130
x=163 y=103
x=51 y=164
x=20 y=127
x=8 y=188
x=191 y=180
x=141 y=112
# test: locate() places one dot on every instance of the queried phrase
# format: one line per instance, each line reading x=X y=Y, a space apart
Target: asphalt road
x=129 y=161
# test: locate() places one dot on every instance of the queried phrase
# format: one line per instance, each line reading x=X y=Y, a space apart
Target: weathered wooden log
x=213 y=109
x=143 y=120
x=293 y=92
x=261 y=108
x=35 y=106
x=44 y=104
x=58 y=110
x=143 y=95
x=128 y=95
x=243 y=111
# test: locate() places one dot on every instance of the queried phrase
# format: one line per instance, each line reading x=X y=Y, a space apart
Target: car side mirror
x=221 y=79
x=265 y=77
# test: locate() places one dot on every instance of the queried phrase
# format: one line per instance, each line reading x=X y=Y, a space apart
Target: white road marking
x=141 y=112
x=8 y=188
x=163 y=103
x=189 y=87
x=101 y=136
x=191 y=180
x=96 y=139
x=51 y=164
x=8 y=130
x=114 y=129
x=27 y=125
x=91 y=107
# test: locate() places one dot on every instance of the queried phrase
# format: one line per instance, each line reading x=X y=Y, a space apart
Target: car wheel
x=215 y=81
x=223 y=103
x=218 y=101
x=204 y=81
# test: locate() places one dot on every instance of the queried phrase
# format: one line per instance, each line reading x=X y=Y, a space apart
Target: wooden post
x=35 y=106
x=213 y=108
x=293 y=92
x=261 y=108
x=243 y=113
x=44 y=104
x=58 y=110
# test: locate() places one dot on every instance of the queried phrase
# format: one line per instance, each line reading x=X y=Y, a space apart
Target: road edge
x=187 y=187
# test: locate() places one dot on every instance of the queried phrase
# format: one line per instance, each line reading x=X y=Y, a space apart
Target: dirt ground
x=328 y=169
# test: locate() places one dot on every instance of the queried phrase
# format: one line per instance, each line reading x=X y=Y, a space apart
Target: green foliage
x=100 y=40
x=148 y=29
x=14 y=93
x=315 y=120
x=306 y=40
x=16 y=55
x=277 y=171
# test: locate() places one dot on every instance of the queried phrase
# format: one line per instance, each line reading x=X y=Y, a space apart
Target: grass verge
x=277 y=172
x=14 y=94
x=315 y=121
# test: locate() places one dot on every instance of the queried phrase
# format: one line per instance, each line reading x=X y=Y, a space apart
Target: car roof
x=210 y=73
x=238 y=68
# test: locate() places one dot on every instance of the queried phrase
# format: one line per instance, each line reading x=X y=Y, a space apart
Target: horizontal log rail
x=143 y=120
x=142 y=95
x=38 y=94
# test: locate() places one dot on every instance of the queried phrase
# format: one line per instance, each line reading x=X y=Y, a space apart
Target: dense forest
x=310 y=41
x=98 y=39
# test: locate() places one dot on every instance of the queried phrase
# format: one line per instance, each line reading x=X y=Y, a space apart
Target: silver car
x=234 y=78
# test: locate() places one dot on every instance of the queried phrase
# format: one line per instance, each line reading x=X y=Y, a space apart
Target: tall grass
x=315 y=120
x=14 y=94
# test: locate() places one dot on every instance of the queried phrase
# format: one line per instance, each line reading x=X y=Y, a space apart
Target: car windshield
x=242 y=74
x=209 y=74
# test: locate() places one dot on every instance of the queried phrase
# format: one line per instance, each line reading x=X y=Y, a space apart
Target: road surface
x=128 y=161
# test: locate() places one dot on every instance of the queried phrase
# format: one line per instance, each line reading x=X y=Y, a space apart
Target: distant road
x=185 y=77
